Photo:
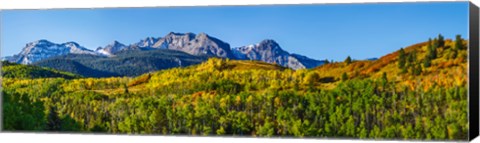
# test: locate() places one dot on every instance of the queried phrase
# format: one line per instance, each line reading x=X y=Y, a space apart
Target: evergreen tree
x=427 y=62
x=384 y=77
x=53 y=121
x=412 y=57
x=454 y=54
x=441 y=40
x=348 y=60
x=401 y=59
x=418 y=69
x=458 y=43
x=344 y=76
x=434 y=50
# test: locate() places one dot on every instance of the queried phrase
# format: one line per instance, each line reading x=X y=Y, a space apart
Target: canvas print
x=394 y=71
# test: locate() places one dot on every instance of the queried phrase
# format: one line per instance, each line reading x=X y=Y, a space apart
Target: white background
x=87 y=138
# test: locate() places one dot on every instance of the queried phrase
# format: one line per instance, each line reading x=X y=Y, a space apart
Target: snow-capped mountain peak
x=111 y=49
x=147 y=42
x=42 y=49
x=200 y=44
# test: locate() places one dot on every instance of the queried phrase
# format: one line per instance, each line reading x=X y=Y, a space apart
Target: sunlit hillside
x=418 y=92
x=447 y=69
x=13 y=70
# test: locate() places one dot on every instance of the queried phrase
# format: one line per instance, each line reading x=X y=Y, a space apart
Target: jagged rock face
x=147 y=42
x=111 y=48
x=195 y=44
x=267 y=50
x=270 y=51
x=43 y=49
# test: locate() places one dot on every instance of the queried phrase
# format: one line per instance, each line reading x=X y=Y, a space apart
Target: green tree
x=384 y=77
x=418 y=69
x=432 y=51
x=21 y=114
x=267 y=129
x=53 y=121
x=348 y=60
x=344 y=76
x=221 y=131
x=427 y=62
x=401 y=59
x=441 y=40
x=458 y=43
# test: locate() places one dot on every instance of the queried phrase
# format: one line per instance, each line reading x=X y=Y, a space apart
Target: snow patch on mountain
x=42 y=49
x=111 y=49
x=200 y=44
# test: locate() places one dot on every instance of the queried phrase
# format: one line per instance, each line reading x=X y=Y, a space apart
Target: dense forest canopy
x=125 y=63
x=417 y=92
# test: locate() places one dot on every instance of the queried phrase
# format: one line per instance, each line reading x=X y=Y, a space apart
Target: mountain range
x=197 y=46
x=42 y=49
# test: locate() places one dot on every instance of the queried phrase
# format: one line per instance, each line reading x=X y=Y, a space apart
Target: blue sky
x=326 y=31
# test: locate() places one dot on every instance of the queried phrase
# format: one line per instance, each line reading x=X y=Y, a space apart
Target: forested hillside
x=438 y=61
x=124 y=63
x=13 y=70
x=417 y=92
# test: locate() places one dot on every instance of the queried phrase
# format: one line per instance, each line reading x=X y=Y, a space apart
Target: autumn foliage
x=358 y=99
